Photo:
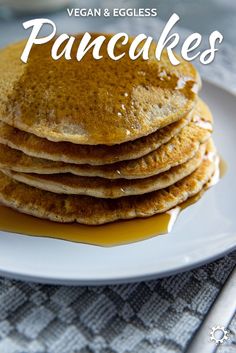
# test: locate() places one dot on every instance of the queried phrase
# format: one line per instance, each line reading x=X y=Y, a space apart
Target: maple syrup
x=116 y=233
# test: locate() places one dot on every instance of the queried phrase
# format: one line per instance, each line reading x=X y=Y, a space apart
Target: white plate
x=203 y=232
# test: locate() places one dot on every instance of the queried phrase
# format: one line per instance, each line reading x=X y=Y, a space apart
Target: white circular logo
x=219 y=334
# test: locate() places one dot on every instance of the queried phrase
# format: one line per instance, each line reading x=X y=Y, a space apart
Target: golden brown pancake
x=94 y=211
x=178 y=150
x=68 y=152
x=99 y=154
x=104 y=188
x=93 y=101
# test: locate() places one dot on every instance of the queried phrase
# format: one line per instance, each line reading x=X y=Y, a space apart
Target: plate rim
x=118 y=279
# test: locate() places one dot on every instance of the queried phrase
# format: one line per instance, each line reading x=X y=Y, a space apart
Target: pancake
x=69 y=152
x=178 y=150
x=94 y=211
x=103 y=188
x=93 y=101
x=100 y=154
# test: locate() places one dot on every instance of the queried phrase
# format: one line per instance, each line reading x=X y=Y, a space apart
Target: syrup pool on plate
x=117 y=233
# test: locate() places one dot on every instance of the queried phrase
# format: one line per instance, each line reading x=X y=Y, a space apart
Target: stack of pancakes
x=100 y=140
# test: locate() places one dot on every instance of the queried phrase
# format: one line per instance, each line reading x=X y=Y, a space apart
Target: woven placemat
x=156 y=316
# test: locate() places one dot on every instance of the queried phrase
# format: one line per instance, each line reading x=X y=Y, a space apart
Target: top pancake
x=93 y=101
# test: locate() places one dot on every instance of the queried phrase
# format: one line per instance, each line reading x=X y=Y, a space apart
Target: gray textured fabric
x=156 y=316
